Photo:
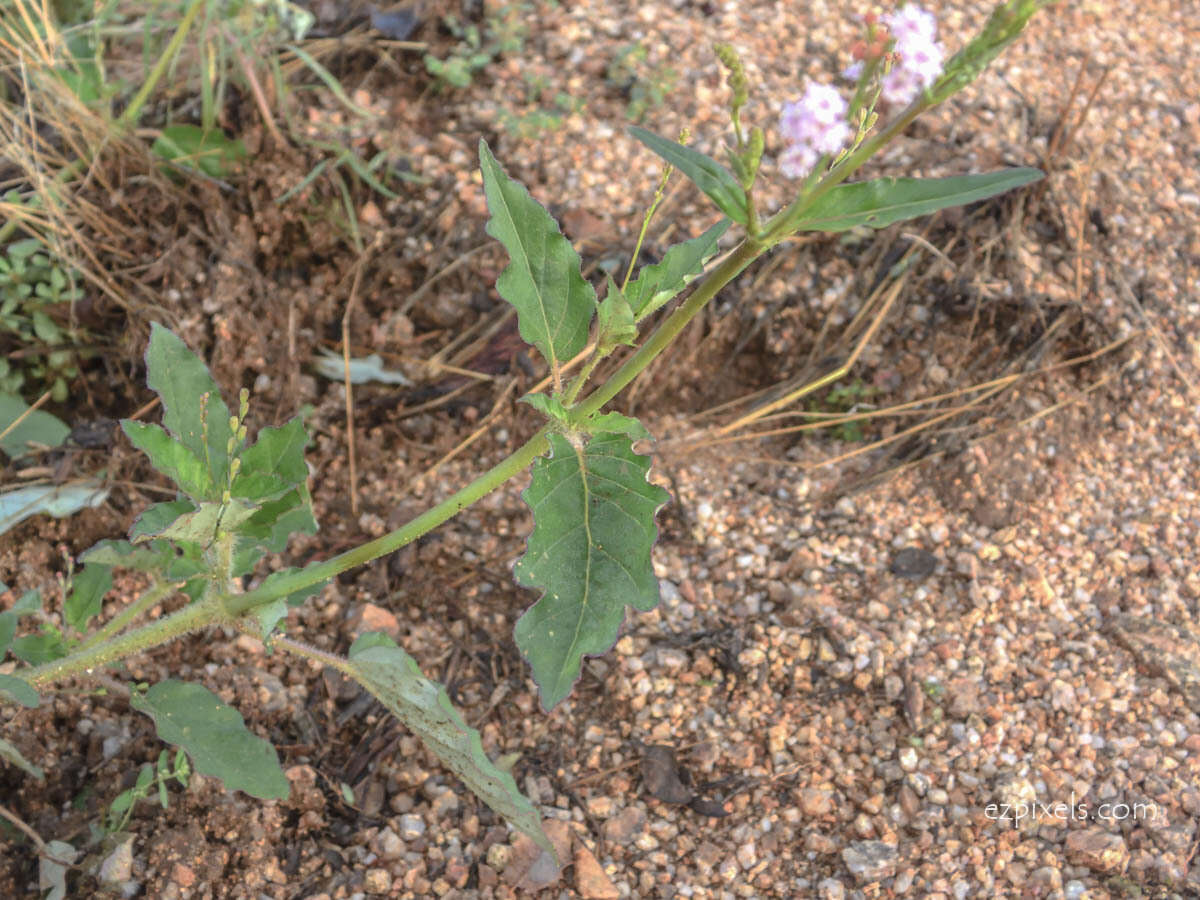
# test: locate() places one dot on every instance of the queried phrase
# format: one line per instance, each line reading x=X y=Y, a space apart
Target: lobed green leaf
x=705 y=172
x=215 y=737
x=593 y=513
x=157 y=518
x=274 y=464
x=657 y=284
x=182 y=380
x=542 y=281
x=423 y=705
x=882 y=201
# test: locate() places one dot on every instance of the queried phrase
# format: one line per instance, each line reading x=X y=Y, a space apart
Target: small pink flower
x=813 y=126
x=920 y=55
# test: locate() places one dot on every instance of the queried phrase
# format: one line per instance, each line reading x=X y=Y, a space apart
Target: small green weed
x=478 y=47
x=151 y=780
x=844 y=399
x=33 y=288
x=646 y=86
x=540 y=119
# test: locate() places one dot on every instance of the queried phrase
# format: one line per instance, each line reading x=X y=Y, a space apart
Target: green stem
x=133 y=110
x=205 y=612
x=317 y=573
x=190 y=618
x=402 y=536
x=153 y=595
x=785 y=222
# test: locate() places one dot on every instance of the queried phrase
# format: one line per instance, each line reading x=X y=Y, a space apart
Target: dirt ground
x=873 y=638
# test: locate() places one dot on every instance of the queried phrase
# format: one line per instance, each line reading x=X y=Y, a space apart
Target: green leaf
x=882 y=201
x=615 y=423
x=19 y=689
x=706 y=173
x=656 y=284
x=151 y=557
x=155 y=519
x=423 y=705
x=14 y=756
x=182 y=381
x=614 y=320
x=550 y=407
x=275 y=464
x=171 y=458
x=272 y=613
x=277 y=520
x=200 y=527
x=87 y=594
x=542 y=280
x=593 y=514
x=209 y=151
x=36 y=649
x=215 y=737
x=38 y=427
x=8 y=627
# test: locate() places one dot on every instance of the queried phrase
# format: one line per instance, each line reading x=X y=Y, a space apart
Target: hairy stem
x=154 y=594
x=190 y=618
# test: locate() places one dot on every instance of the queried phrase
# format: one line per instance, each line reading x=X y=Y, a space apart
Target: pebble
x=908 y=759
x=831 y=889
x=625 y=826
x=377 y=881
x=914 y=563
x=1097 y=849
x=590 y=879
x=871 y=860
x=816 y=803
x=411 y=827
x=118 y=865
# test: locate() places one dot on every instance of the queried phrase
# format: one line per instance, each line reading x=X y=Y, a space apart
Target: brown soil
x=781 y=669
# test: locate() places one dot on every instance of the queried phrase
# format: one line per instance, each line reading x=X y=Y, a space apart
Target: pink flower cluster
x=813 y=126
x=921 y=56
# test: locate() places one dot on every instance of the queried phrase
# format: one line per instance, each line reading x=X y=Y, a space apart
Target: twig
x=358 y=270
x=23 y=416
x=43 y=850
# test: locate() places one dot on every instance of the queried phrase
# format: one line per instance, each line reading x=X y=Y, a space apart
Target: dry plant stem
x=129 y=117
x=350 y=304
x=43 y=850
x=23 y=416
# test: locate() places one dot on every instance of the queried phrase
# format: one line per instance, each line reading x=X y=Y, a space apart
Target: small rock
x=909 y=759
x=831 y=889
x=374 y=618
x=389 y=845
x=411 y=827
x=377 y=881
x=1062 y=695
x=913 y=562
x=871 y=860
x=747 y=855
x=1047 y=878
x=590 y=880
x=625 y=826
x=816 y=803
x=1098 y=850
x=118 y=865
